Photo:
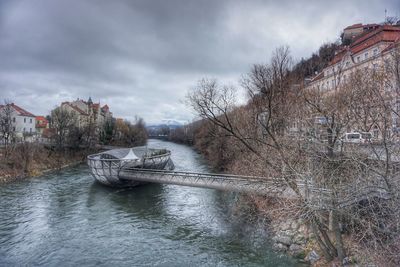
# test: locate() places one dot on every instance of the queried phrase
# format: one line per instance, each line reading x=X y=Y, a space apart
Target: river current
x=65 y=218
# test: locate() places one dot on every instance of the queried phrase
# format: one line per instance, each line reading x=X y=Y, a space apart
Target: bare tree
x=337 y=180
x=6 y=124
x=63 y=121
x=90 y=130
x=107 y=132
x=130 y=134
x=391 y=20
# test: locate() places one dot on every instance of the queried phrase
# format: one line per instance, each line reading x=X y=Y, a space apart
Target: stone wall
x=295 y=238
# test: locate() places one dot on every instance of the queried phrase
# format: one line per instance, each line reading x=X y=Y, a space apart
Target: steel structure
x=227 y=182
x=130 y=167
x=106 y=166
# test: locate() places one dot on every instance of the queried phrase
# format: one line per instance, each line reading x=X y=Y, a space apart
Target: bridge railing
x=110 y=170
x=205 y=180
x=318 y=197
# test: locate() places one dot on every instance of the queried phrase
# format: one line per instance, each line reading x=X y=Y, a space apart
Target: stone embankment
x=294 y=237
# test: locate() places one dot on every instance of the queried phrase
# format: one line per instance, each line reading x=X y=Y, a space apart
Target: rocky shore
x=294 y=237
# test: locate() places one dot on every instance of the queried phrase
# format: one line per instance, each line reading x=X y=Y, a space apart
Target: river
x=67 y=219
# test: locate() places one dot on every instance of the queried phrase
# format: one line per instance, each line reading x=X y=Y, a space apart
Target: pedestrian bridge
x=135 y=166
x=226 y=182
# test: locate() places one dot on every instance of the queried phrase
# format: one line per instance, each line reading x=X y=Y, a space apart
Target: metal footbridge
x=226 y=182
x=318 y=197
x=131 y=167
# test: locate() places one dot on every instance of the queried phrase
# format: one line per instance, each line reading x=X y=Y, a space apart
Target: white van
x=357 y=137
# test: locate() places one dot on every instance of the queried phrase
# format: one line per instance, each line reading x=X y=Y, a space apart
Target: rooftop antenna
x=385 y=15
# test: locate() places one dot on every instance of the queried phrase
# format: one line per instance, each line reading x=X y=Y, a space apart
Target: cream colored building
x=350 y=33
x=81 y=116
x=96 y=113
x=88 y=112
x=371 y=50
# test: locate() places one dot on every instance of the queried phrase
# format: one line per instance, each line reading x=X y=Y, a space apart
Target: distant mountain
x=166 y=123
x=171 y=122
x=163 y=126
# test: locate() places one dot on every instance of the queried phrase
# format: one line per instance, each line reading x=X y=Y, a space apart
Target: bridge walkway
x=318 y=197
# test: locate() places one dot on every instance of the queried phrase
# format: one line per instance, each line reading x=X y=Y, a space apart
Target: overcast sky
x=141 y=57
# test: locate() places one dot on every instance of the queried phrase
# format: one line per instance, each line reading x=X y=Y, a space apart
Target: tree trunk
x=338 y=237
x=324 y=248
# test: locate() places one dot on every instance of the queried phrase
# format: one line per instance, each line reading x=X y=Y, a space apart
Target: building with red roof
x=353 y=31
x=371 y=50
x=82 y=117
x=87 y=111
x=22 y=121
x=41 y=124
x=368 y=50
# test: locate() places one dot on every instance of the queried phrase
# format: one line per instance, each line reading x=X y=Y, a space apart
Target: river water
x=67 y=219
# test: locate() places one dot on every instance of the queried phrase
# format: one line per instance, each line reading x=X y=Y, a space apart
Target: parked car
x=357 y=137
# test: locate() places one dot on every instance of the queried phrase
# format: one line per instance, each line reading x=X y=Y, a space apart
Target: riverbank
x=31 y=160
x=290 y=233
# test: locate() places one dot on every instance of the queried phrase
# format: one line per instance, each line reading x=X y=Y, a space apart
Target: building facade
x=371 y=49
x=89 y=112
x=41 y=124
x=82 y=117
x=22 y=122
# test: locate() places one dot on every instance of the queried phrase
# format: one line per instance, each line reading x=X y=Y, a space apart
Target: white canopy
x=130 y=156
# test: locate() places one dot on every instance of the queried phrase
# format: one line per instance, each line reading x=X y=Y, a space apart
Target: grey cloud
x=140 y=54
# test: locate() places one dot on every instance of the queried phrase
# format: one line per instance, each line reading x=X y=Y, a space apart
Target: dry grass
x=26 y=160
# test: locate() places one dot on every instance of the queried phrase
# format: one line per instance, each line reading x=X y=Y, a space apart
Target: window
x=14 y=119
x=358 y=59
x=366 y=136
x=366 y=55
x=353 y=136
x=375 y=132
x=347 y=63
x=30 y=130
x=31 y=121
x=375 y=51
x=24 y=121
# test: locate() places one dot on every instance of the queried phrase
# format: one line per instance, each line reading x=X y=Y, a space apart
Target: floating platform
x=107 y=166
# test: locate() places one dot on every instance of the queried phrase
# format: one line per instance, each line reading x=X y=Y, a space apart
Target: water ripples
x=64 y=218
